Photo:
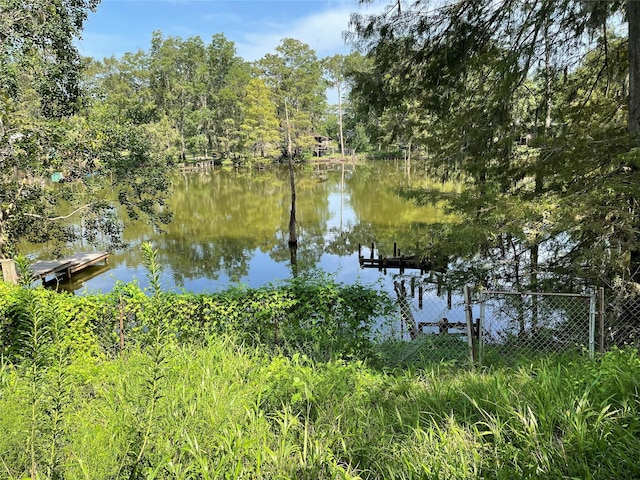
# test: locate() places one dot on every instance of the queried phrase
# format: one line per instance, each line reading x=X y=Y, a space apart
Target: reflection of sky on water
x=262 y=270
x=340 y=210
x=204 y=251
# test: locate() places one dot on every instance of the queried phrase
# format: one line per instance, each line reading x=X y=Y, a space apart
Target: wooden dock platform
x=67 y=266
x=410 y=262
x=402 y=262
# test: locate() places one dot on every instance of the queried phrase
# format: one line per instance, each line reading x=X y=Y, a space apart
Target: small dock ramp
x=67 y=266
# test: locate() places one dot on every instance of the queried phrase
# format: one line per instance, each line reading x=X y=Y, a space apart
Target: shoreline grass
x=223 y=409
x=288 y=384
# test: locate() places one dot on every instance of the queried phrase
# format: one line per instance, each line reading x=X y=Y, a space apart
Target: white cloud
x=322 y=31
x=118 y=26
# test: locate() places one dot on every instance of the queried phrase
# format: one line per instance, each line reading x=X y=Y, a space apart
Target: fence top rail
x=542 y=294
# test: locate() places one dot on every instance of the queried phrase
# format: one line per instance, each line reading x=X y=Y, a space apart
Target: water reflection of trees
x=384 y=217
x=206 y=260
x=223 y=217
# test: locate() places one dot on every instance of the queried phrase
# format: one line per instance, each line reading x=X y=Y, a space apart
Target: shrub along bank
x=311 y=314
x=269 y=383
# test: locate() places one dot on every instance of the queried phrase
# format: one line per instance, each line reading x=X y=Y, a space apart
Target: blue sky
x=255 y=26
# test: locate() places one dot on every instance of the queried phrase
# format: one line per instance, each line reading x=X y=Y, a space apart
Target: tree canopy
x=532 y=105
x=294 y=75
x=54 y=122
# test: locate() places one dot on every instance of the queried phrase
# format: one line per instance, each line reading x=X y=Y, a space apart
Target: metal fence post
x=469 y=317
x=601 y=313
x=592 y=324
x=482 y=299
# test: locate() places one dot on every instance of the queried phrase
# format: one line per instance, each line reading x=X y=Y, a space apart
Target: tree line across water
x=532 y=105
x=208 y=102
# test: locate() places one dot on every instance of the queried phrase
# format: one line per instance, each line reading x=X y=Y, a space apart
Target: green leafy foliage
x=529 y=106
x=49 y=127
x=294 y=76
x=311 y=314
x=222 y=409
x=260 y=127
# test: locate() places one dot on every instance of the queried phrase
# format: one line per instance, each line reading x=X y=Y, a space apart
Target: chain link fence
x=521 y=324
x=491 y=326
x=435 y=318
x=621 y=326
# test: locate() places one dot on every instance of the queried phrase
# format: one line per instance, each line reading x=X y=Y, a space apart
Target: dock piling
x=9 y=273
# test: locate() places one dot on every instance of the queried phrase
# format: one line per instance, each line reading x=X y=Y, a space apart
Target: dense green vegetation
x=280 y=383
x=533 y=105
x=527 y=105
x=116 y=127
x=49 y=124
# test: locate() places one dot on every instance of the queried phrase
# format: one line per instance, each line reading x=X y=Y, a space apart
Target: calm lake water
x=231 y=227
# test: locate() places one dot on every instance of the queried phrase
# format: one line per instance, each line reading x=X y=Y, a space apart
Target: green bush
x=312 y=315
x=279 y=382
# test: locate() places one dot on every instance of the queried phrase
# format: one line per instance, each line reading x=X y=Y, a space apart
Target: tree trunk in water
x=293 y=236
x=293 y=252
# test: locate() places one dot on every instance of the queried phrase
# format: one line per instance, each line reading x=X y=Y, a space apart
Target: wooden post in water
x=406 y=315
x=9 y=273
x=469 y=317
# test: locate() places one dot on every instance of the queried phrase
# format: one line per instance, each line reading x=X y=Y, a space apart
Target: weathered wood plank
x=9 y=273
x=83 y=260
x=43 y=268
x=68 y=265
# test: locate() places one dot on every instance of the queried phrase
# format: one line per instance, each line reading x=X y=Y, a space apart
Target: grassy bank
x=223 y=410
x=288 y=382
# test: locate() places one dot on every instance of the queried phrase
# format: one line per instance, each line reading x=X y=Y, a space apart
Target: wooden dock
x=67 y=266
x=401 y=262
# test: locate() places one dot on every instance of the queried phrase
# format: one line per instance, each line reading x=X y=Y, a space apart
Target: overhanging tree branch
x=61 y=217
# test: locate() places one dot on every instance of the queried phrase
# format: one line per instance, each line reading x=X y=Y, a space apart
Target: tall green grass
x=226 y=410
x=292 y=388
